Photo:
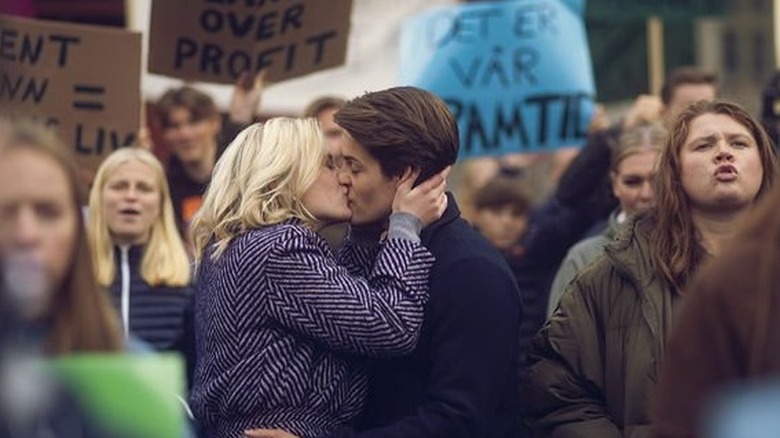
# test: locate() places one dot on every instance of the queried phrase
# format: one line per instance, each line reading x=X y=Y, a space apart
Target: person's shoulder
x=288 y=236
x=586 y=250
x=740 y=273
x=458 y=239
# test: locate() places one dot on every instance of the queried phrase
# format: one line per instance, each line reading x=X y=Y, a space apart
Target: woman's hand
x=427 y=201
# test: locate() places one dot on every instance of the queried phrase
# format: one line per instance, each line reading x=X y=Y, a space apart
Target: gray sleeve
x=404 y=226
x=566 y=273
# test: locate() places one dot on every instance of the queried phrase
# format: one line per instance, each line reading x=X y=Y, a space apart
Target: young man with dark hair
x=196 y=135
x=462 y=379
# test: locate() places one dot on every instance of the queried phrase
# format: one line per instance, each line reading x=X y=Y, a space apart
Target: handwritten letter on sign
x=217 y=40
x=517 y=75
x=83 y=80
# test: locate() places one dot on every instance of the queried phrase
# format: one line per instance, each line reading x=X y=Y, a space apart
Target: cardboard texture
x=83 y=80
x=216 y=40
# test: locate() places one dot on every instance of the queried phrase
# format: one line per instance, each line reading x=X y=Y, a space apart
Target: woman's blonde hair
x=641 y=138
x=260 y=180
x=165 y=260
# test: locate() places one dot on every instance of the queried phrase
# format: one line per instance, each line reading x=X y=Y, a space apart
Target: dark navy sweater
x=461 y=381
x=156 y=313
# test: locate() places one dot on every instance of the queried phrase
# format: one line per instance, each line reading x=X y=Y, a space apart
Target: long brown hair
x=674 y=240
x=81 y=317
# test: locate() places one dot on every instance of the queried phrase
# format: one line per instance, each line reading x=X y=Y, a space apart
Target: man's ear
x=406 y=174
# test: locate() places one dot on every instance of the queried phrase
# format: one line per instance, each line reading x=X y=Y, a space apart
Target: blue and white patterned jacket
x=281 y=325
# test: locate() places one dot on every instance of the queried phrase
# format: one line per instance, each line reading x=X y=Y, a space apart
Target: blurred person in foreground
x=284 y=327
x=51 y=304
x=725 y=333
x=44 y=247
x=595 y=362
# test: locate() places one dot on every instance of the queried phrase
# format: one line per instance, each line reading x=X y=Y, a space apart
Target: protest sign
x=217 y=40
x=517 y=75
x=127 y=395
x=83 y=80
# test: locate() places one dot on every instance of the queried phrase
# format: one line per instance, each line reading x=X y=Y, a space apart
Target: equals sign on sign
x=88 y=97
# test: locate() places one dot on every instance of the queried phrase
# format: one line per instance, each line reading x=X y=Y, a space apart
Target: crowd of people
x=318 y=278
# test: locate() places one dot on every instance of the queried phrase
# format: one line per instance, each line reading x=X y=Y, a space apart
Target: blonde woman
x=280 y=323
x=136 y=248
x=633 y=164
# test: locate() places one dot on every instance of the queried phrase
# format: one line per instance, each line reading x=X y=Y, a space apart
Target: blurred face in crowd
x=686 y=94
x=191 y=140
x=326 y=199
x=330 y=129
x=720 y=164
x=370 y=192
x=503 y=226
x=632 y=182
x=131 y=202
x=38 y=226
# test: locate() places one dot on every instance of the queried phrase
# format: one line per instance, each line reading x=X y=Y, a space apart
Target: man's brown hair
x=403 y=127
x=200 y=105
x=315 y=107
x=683 y=76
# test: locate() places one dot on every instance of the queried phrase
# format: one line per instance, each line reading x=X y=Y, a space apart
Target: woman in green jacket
x=596 y=361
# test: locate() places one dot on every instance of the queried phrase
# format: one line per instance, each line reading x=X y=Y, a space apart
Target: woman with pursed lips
x=595 y=363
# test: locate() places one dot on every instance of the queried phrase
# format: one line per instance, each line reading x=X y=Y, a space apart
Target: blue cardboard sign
x=517 y=75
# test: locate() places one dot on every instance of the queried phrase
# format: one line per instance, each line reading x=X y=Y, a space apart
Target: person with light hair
x=136 y=249
x=280 y=322
x=633 y=163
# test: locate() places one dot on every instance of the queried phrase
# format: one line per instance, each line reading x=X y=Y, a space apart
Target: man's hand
x=268 y=433
x=246 y=97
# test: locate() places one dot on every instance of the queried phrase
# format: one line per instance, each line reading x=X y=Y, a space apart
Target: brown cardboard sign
x=83 y=80
x=217 y=40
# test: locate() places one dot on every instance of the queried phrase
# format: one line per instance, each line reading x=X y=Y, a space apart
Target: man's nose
x=343 y=177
